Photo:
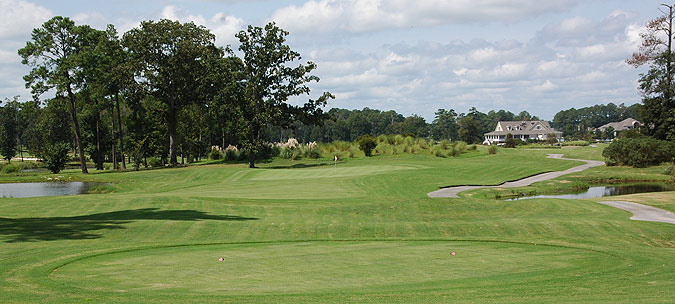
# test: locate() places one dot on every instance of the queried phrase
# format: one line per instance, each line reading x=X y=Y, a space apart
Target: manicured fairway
x=316 y=267
x=309 y=232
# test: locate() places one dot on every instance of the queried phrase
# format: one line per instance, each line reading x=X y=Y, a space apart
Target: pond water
x=603 y=191
x=44 y=189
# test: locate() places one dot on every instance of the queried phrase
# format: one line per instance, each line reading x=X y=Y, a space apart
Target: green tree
x=55 y=156
x=366 y=144
x=271 y=77
x=469 y=130
x=171 y=64
x=656 y=85
x=8 y=130
x=444 y=125
x=53 y=56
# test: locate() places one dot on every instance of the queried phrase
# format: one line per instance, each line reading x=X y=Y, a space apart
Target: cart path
x=644 y=213
x=453 y=192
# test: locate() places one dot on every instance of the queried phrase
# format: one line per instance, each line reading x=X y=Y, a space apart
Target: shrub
x=215 y=154
x=444 y=144
x=551 y=138
x=581 y=143
x=670 y=170
x=366 y=144
x=312 y=153
x=492 y=149
x=231 y=153
x=342 y=145
x=399 y=139
x=391 y=139
x=11 y=168
x=473 y=147
x=382 y=138
x=286 y=153
x=155 y=162
x=460 y=147
x=639 y=152
x=510 y=142
x=55 y=156
x=439 y=153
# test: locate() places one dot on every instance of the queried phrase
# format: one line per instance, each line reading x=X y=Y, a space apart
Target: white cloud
x=370 y=15
x=545 y=87
x=18 y=17
x=222 y=25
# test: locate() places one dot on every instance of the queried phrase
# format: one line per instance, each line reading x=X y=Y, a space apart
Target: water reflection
x=44 y=189
x=603 y=191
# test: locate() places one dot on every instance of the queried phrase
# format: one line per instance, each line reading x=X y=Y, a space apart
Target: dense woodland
x=164 y=90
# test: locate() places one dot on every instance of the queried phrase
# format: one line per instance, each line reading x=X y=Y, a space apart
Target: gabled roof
x=523 y=127
x=626 y=124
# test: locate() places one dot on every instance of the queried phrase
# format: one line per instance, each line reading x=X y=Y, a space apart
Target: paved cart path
x=454 y=191
x=640 y=212
x=644 y=213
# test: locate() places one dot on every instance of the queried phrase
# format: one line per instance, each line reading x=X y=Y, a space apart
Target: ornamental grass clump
x=215 y=154
x=231 y=153
x=342 y=145
x=444 y=144
x=492 y=149
x=460 y=147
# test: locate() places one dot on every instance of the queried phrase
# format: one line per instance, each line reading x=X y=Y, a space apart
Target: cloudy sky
x=412 y=56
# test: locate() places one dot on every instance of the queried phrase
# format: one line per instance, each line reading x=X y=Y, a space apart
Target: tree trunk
x=172 y=122
x=114 y=145
x=121 y=133
x=99 y=155
x=251 y=159
x=76 y=126
x=223 y=130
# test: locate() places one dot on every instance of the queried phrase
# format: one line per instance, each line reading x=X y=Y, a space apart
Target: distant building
x=626 y=124
x=524 y=130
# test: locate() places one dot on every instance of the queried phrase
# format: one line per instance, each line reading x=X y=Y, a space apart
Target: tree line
x=162 y=89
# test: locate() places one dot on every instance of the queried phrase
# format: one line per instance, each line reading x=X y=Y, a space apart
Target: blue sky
x=410 y=56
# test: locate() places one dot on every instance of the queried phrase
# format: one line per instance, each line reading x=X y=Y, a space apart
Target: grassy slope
x=128 y=246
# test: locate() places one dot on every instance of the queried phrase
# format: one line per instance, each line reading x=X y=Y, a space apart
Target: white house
x=524 y=130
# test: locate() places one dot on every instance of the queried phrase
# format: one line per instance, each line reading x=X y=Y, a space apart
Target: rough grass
x=307 y=232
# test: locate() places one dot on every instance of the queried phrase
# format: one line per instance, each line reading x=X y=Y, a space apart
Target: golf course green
x=363 y=231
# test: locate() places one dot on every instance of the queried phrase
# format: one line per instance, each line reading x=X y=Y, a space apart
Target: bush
x=231 y=153
x=155 y=162
x=11 y=168
x=366 y=144
x=639 y=152
x=473 y=147
x=342 y=145
x=460 y=147
x=492 y=149
x=580 y=143
x=55 y=156
x=215 y=154
x=286 y=153
x=312 y=153
x=510 y=142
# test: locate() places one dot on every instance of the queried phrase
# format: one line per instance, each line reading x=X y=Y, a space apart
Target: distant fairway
x=364 y=232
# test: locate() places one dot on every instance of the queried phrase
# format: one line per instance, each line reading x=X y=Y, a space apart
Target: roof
x=533 y=127
x=626 y=124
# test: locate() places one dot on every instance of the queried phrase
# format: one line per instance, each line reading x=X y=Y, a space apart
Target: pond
x=603 y=191
x=19 y=190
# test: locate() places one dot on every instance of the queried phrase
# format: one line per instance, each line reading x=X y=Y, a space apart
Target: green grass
x=305 y=231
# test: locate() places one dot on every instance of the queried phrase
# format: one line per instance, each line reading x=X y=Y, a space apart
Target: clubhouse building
x=524 y=130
